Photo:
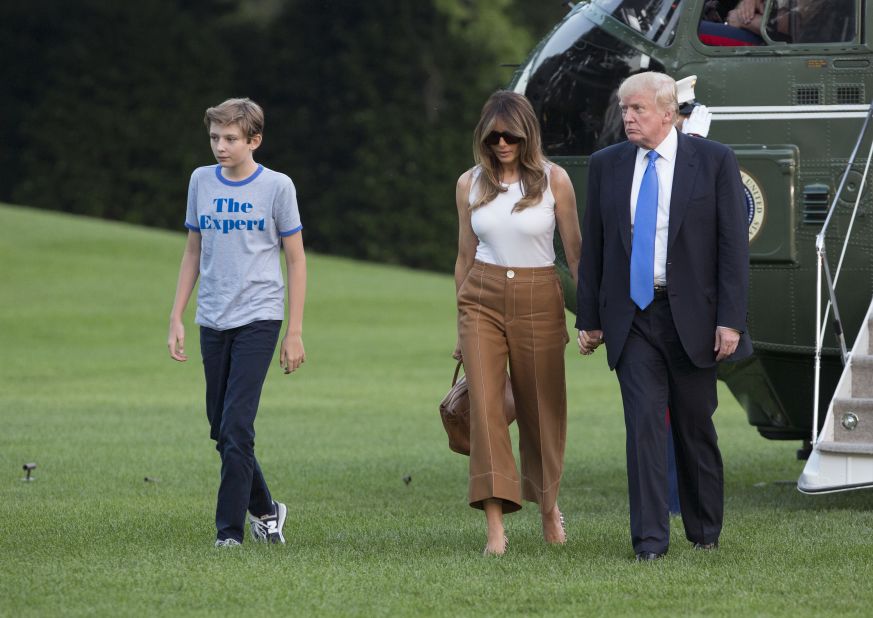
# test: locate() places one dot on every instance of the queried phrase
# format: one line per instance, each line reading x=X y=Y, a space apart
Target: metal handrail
x=820 y=324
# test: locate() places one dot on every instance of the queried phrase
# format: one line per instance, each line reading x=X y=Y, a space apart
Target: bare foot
x=497 y=542
x=553 y=527
x=496 y=547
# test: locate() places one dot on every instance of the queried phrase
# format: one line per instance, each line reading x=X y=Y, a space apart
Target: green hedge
x=370 y=107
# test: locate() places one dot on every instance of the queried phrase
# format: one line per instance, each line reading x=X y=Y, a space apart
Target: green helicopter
x=790 y=95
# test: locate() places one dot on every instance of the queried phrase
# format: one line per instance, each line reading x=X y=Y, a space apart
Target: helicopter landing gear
x=804 y=451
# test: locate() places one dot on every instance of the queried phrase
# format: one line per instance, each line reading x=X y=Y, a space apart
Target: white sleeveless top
x=522 y=239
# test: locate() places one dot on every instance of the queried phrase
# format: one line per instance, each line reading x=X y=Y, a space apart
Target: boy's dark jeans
x=235 y=362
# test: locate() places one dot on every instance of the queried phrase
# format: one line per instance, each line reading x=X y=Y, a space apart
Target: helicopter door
x=769 y=174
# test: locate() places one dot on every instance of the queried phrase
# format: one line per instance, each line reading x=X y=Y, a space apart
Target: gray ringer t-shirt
x=241 y=224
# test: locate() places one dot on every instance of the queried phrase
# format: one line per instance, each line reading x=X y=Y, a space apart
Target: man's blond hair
x=662 y=86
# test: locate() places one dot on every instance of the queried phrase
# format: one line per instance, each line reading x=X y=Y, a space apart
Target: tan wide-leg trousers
x=514 y=315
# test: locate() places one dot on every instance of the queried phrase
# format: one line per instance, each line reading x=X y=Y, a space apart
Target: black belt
x=660 y=291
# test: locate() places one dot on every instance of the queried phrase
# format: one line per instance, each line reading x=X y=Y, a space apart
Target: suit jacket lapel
x=684 y=173
x=622 y=181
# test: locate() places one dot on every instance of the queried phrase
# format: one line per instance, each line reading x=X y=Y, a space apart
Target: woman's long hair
x=517 y=114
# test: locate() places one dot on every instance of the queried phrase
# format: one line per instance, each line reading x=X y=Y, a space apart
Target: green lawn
x=88 y=392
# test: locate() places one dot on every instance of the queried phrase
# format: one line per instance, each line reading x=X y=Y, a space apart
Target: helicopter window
x=656 y=19
x=788 y=21
x=815 y=21
x=572 y=87
x=732 y=23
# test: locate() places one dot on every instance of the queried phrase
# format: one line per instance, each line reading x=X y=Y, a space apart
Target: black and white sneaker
x=268 y=529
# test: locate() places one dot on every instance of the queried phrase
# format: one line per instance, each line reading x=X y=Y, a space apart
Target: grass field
x=88 y=392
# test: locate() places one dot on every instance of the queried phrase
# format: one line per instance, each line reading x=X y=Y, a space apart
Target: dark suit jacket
x=707 y=248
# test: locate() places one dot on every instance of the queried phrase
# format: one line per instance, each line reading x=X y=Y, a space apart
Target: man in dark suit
x=663 y=282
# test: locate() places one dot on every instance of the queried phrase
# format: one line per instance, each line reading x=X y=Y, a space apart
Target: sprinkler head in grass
x=407 y=479
x=151 y=479
x=28 y=468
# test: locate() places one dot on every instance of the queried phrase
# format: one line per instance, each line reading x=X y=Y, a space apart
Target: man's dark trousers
x=655 y=373
x=235 y=362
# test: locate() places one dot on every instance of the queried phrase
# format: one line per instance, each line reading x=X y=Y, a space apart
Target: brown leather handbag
x=455 y=412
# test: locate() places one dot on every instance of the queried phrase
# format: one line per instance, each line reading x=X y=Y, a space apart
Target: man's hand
x=746 y=11
x=726 y=340
x=176 y=341
x=747 y=14
x=457 y=353
x=291 y=353
x=589 y=340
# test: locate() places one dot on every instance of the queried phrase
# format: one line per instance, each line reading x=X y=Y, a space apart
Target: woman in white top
x=511 y=312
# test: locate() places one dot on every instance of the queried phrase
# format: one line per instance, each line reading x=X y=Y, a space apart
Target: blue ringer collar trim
x=238 y=183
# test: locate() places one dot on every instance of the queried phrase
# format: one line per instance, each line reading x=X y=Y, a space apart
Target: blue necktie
x=642 y=270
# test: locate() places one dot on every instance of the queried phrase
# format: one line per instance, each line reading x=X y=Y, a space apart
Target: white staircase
x=842 y=456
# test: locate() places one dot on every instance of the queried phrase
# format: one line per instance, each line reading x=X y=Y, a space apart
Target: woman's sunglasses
x=493 y=138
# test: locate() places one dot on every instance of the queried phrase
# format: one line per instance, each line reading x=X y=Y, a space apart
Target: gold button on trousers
x=515 y=317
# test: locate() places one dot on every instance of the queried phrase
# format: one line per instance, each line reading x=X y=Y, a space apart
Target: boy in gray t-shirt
x=239 y=215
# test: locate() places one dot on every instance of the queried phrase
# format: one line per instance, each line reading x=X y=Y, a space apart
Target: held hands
x=291 y=353
x=176 y=341
x=589 y=340
x=726 y=340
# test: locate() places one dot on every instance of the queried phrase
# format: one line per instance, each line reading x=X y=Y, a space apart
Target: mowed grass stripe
x=88 y=392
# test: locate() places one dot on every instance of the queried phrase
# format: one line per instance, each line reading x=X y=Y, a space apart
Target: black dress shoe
x=706 y=546
x=647 y=556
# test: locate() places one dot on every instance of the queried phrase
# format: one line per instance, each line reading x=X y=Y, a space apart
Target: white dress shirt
x=664 y=165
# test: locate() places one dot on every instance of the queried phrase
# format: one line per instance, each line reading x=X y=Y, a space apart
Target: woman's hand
x=589 y=340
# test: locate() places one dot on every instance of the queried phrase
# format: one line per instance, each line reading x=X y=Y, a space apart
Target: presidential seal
x=755 y=204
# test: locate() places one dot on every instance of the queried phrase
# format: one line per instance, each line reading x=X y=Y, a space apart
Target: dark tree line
x=370 y=106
